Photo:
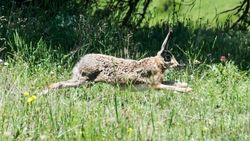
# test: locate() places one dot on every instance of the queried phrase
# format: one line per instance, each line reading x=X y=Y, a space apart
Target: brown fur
x=109 y=69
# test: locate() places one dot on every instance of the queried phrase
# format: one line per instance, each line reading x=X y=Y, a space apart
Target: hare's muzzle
x=180 y=66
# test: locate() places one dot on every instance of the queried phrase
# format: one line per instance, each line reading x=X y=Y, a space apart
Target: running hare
x=109 y=69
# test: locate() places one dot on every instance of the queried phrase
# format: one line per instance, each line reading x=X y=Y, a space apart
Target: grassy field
x=216 y=109
x=205 y=11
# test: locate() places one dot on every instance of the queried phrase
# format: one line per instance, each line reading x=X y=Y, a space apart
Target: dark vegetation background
x=60 y=31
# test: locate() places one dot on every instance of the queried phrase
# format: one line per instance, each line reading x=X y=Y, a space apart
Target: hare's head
x=166 y=55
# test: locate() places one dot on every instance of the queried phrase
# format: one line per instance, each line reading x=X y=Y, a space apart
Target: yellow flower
x=130 y=130
x=31 y=98
x=26 y=94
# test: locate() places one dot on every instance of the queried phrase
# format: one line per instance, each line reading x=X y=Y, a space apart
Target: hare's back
x=100 y=61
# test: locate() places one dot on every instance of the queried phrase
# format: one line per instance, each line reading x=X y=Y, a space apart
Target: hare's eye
x=167 y=57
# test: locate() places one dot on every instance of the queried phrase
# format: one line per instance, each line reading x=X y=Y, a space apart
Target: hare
x=109 y=69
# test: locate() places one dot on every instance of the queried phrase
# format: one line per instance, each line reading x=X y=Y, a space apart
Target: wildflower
x=31 y=98
x=52 y=72
x=7 y=134
x=204 y=129
x=197 y=62
x=6 y=64
x=130 y=130
x=43 y=137
x=26 y=94
x=223 y=59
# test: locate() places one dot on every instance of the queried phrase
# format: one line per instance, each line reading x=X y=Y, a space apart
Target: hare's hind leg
x=66 y=84
x=172 y=88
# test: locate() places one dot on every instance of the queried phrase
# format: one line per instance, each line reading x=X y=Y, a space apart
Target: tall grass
x=216 y=109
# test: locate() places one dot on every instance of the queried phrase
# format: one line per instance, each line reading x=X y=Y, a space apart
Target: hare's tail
x=64 y=84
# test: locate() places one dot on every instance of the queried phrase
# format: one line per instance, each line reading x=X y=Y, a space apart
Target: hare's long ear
x=164 y=45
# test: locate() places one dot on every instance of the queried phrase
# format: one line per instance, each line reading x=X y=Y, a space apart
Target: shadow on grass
x=201 y=43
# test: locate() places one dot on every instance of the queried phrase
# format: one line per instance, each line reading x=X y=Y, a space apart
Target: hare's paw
x=172 y=88
x=181 y=84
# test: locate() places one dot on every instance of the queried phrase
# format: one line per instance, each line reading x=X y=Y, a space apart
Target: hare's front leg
x=177 y=84
x=172 y=88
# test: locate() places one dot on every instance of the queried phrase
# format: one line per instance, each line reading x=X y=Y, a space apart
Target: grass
x=203 y=11
x=216 y=109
